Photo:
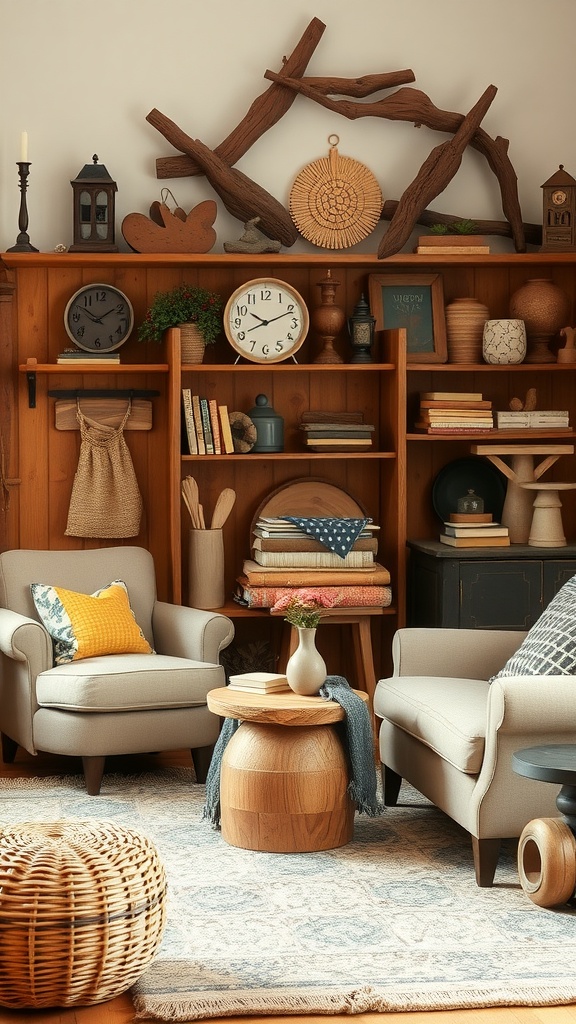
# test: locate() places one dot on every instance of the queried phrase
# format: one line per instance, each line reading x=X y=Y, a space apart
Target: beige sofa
x=111 y=704
x=451 y=734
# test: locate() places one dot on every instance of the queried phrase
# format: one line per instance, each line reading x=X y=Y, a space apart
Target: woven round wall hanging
x=335 y=201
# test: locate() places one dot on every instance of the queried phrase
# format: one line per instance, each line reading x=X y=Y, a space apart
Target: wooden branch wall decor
x=532 y=232
x=245 y=199
x=435 y=174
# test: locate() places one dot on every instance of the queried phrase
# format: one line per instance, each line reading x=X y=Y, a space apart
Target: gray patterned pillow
x=550 y=646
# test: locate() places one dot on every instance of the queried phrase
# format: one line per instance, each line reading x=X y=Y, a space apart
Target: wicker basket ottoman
x=82 y=911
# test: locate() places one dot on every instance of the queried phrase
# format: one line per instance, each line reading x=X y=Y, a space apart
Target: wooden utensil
x=192 y=501
x=223 y=507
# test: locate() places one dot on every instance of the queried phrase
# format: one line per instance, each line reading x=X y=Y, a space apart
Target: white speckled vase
x=504 y=341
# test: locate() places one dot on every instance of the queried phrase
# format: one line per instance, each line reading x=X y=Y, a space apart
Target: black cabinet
x=507 y=588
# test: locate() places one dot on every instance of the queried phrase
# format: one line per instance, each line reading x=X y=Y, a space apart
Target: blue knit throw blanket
x=359 y=748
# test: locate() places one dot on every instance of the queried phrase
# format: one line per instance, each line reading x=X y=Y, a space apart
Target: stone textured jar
x=465 y=319
x=545 y=309
x=504 y=341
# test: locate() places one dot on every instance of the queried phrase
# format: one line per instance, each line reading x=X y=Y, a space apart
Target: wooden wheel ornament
x=335 y=201
x=547 y=861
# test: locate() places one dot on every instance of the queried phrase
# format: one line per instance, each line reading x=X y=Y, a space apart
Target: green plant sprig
x=184 y=304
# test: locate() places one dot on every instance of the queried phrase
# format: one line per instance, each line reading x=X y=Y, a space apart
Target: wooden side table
x=284 y=775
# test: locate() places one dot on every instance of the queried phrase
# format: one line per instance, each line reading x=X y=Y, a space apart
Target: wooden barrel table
x=284 y=774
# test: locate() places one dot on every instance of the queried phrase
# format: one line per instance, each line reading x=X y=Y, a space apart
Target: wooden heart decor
x=167 y=231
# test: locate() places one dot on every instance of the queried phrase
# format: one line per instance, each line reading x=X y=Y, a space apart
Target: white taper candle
x=24 y=147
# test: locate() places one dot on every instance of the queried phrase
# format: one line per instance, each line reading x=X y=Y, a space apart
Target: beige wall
x=81 y=76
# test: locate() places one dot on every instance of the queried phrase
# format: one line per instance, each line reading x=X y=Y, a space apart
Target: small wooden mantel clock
x=559 y=213
x=94 y=217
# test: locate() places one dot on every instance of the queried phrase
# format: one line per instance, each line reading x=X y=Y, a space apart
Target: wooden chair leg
x=9 y=748
x=391 y=783
x=201 y=757
x=486 y=853
x=93 y=772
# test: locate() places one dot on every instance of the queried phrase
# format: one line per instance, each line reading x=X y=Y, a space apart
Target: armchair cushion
x=89 y=625
x=549 y=648
x=446 y=714
x=127 y=682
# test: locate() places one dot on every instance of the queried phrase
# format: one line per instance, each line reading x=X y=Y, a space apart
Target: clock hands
x=95 y=319
x=264 y=323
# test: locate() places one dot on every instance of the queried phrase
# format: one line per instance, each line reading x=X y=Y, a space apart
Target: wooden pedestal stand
x=517 y=511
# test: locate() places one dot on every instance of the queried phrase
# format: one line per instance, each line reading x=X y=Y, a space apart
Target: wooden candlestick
x=328 y=320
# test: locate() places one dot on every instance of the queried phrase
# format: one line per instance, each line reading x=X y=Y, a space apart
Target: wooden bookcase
x=393 y=482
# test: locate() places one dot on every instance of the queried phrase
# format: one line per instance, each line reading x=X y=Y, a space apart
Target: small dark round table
x=547 y=847
x=552 y=762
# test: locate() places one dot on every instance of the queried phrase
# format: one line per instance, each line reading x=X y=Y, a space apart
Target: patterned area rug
x=393 y=921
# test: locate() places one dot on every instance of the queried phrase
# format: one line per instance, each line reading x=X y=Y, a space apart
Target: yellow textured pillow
x=88 y=625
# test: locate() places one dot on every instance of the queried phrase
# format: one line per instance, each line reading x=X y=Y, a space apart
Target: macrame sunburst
x=335 y=201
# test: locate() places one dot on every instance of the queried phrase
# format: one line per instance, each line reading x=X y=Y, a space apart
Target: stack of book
x=206 y=425
x=450 y=245
x=259 y=682
x=475 y=535
x=74 y=356
x=336 y=431
x=285 y=558
x=537 y=419
x=454 y=412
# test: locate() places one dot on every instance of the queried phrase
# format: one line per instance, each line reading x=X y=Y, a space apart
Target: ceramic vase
x=465 y=319
x=192 y=343
x=306 y=668
x=504 y=341
x=545 y=309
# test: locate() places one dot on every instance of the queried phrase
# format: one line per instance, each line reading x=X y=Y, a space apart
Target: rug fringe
x=366 y=999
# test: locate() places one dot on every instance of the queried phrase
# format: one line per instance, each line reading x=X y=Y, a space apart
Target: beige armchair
x=451 y=734
x=110 y=704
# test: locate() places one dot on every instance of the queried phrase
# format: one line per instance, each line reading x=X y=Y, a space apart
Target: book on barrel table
x=259 y=682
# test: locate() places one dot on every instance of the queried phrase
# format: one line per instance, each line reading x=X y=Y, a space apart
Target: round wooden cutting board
x=309 y=497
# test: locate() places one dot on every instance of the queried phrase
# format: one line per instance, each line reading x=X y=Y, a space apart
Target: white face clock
x=266 y=320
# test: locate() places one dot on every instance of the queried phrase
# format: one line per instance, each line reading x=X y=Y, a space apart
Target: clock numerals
x=266 y=320
x=99 y=318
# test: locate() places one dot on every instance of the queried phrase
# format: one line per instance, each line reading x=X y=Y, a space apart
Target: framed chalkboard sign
x=416 y=302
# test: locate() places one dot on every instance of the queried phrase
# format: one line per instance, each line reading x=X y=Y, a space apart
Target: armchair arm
x=189 y=632
x=537 y=706
x=25 y=639
x=466 y=653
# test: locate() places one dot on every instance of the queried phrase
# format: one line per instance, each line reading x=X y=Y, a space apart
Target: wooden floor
x=121 y=1010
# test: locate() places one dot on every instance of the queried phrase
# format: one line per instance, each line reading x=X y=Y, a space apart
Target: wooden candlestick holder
x=328 y=320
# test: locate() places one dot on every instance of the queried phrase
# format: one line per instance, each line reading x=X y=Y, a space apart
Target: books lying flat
x=87 y=357
x=293 y=577
x=475 y=542
x=346 y=597
x=432 y=403
x=273 y=525
x=356 y=559
x=451 y=250
x=336 y=427
x=475 y=530
x=537 y=418
x=453 y=396
x=308 y=544
x=259 y=682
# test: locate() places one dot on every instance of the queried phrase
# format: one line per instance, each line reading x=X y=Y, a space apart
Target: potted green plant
x=197 y=311
x=459 y=235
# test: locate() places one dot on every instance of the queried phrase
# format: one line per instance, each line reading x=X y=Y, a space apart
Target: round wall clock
x=266 y=320
x=99 y=318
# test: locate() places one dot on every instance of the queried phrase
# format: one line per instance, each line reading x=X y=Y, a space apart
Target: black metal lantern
x=361 y=331
x=94 y=216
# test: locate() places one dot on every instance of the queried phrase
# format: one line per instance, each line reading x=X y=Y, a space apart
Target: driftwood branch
x=241 y=196
x=359 y=87
x=266 y=110
x=435 y=174
x=414 y=105
x=532 y=232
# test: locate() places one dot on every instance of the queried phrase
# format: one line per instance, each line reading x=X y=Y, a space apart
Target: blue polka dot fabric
x=338 y=535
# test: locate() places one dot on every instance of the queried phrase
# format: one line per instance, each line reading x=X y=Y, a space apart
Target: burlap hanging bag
x=106 y=500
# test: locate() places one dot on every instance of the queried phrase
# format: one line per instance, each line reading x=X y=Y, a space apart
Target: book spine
x=198 y=425
x=346 y=597
x=227 y=440
x=307 y=544
x=454 y=396
x=206 y=426
x=215 y=426
x=189 y=421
